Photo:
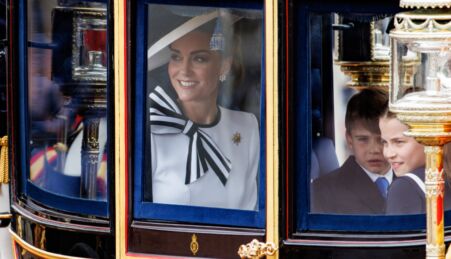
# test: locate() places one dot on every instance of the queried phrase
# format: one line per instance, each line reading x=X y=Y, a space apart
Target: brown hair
x=387 y=113
x=366 y=107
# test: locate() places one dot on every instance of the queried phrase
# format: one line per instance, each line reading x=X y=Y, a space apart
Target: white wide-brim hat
x=174 y=22
x=158 y=54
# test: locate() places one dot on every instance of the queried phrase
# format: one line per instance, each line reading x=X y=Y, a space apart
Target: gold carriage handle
x=4 y=177
x=256 y=249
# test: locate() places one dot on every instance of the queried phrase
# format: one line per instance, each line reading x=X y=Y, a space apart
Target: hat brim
x=158 y=54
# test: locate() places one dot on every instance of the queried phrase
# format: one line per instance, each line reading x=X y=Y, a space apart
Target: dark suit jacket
x=347 y=190
x=406 y=197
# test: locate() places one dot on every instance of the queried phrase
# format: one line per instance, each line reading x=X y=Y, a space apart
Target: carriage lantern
x=362 y=50
x=420 y=95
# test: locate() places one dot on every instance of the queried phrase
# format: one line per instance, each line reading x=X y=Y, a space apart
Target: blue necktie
x=382 y=185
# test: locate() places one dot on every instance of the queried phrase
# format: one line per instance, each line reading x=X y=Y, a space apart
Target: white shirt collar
x=388 y=175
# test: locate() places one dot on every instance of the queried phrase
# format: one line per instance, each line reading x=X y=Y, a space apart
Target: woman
x=202 y=154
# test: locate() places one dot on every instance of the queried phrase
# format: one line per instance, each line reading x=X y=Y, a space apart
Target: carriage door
x=193 y=114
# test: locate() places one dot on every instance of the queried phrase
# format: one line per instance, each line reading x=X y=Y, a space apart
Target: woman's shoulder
x=234 y=116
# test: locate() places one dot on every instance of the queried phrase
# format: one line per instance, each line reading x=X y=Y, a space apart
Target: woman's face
x=194 y=69
x=403 y=153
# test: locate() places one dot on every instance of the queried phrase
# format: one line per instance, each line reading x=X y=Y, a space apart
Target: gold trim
x=4 y=165
x=256 y=249
x=120 y=125
x=434 y=181
x=6 y=216
x=427 y=23
x=36 y=251
x=425 y=3
x=272 y=159
x=271 y=46
x=369 y=74
x=194 y=245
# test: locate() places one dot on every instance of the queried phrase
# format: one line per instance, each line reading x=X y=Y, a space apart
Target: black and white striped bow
x=167 y=118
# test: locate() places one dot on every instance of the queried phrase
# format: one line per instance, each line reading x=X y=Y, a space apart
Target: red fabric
x=96 y=40
x=439 y=209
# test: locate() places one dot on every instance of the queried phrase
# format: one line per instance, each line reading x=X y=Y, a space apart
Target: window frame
x=300 y=223
x=73 y=205
x=144 y=210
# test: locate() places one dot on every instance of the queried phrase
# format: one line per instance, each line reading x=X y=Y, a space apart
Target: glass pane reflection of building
x=67 y=100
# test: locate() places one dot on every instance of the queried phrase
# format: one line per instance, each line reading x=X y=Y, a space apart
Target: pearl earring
x=222 y=78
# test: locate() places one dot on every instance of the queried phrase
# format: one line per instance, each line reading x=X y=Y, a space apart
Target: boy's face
x=403 y=153
x=367 y=148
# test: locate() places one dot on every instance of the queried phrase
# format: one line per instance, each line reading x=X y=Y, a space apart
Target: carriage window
x=202 y=108
x=364 y=174
x=370 y=156
x=350 y=158
x=67 y=98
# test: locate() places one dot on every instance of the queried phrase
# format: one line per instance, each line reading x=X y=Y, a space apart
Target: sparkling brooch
x=236 y=138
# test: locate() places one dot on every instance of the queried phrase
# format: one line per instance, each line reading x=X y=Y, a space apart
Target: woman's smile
x=187 y=83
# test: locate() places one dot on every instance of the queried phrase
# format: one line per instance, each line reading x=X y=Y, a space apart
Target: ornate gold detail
x=434 y=191
x=236 y=138
x=6 y=216
x=90 y=154
x=436 y=150
x=369 y=74
x=4 y=172
x=256 y=249
x=429 y=21
x=194 y=245
x=39 y=236
x=93 y=142
x=434 y=175
x=434 y=180
x=425 y=3
x=423 y=111
x=91 y=131
x=19 y=228
x=426 y=128
x=435 y=251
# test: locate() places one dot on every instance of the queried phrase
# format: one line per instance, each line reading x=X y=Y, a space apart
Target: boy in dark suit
x=360 y=185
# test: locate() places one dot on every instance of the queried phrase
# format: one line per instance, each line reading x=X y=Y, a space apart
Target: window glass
x=203 y=106
x=351 y=165
x=367 y=163
x=67 y=97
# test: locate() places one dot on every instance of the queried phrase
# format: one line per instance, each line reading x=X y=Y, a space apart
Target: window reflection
x=67 y=97
x=204 y=83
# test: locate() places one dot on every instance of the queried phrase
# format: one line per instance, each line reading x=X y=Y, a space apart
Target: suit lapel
x=363 y=188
